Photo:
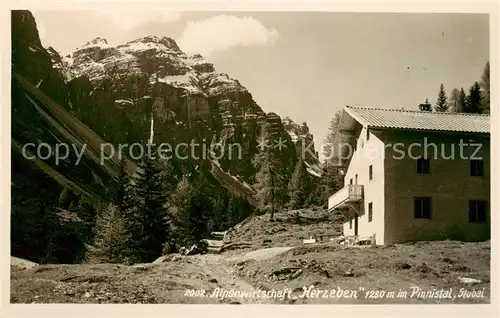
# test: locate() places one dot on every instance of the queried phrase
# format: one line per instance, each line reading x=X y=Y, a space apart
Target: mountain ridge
x=159 y=64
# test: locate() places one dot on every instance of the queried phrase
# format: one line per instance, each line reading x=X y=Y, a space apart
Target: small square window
x=370 y=172
x=476 y=168
x=422 y=208
x=423 y=166
x=477 y=211
x=370 y=212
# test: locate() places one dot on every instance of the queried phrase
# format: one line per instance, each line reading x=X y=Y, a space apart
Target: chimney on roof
x=425 y=107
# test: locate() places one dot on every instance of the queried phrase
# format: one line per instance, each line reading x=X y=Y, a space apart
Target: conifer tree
x=123 y=191
x=247 y=208
x=454 y=100
x=233 y=211
x=183 y=193
x=474 y=101
x=263 y=179
x=193 y=219
x=221 y=217
x=110 y=237
x=123 y=198
x=151 y=225
x=462 y=100
x=299 y=185
x=330 y=137
x=442 y=100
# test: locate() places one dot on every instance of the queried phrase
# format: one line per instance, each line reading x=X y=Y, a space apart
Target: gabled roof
x=419 y=120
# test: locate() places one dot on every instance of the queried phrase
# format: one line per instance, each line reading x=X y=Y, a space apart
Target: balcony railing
x=351 y=193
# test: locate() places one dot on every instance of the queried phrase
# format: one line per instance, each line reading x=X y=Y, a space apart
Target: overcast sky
x=305 y=65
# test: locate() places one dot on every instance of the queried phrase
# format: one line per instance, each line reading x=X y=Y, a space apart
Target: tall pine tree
x=233 y=211
x=123 y=192
x=330 y=137
x=299 y=186
x=462 y=101
x=151 y=224
x=183 y=193
x=454 y=100
x=442 y=100
x=110 y=239
x=194 y=217
x=221 y=216
x=474 y=101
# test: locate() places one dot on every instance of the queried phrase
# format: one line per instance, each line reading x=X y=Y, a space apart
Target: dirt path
x=224 y=270
x=259 y=255
x=220 y=269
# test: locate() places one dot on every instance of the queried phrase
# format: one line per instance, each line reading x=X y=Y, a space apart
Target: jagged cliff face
x=114 y=90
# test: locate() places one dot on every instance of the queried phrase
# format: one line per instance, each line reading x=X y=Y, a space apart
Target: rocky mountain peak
x=98 y=41
x=147 y=39
x=157 y=43
x=170 y=43
x=155 y=59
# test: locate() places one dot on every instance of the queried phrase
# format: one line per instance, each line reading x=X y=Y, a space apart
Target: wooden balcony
x=351 y=193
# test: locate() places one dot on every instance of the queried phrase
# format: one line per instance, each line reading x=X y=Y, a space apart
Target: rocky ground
x=288 y=229
x=276 y=262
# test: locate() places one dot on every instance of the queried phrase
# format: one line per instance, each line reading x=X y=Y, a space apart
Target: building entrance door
x=355 y=223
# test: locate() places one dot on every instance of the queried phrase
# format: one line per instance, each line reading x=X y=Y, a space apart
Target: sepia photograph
x=250 y=157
